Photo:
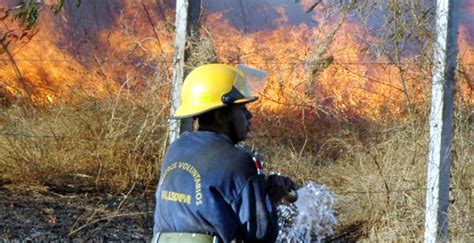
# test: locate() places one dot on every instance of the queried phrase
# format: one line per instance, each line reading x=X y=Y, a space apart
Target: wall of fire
x=319 y=62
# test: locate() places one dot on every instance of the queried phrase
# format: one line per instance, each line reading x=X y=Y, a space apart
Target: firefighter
x=210 y=189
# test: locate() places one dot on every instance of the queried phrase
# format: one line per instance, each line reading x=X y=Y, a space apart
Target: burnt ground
x=61 y=214
x=33 y=215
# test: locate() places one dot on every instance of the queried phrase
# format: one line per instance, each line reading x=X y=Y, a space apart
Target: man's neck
x=217 y=130
x=213 y=129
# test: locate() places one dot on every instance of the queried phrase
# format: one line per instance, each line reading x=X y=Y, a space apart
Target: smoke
x=250 y=16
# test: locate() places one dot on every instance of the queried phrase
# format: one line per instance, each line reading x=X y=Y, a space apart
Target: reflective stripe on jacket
x=208 y=185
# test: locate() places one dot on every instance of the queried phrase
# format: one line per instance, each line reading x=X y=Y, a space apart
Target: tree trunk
x=187 y=21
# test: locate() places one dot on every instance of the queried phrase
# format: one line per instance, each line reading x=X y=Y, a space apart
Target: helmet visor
x=252 y=80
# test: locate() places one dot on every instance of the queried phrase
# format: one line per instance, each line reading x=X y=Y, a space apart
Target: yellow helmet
x=211 y=86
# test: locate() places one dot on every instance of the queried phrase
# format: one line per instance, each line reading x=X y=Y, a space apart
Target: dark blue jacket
x=208 y=185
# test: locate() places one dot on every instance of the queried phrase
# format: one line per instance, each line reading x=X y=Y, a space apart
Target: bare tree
x=402 y=34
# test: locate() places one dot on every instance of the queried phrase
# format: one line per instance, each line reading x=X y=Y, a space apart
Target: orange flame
x=66 y=58
x=318 y=67
x=343 y=78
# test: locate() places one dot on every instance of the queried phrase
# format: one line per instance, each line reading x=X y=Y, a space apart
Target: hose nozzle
x=292 y=196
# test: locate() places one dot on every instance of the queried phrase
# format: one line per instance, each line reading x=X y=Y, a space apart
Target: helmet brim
x=192 y=111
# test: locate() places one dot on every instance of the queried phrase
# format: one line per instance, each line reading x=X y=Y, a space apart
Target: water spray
x=307 y=213
x=310 y=218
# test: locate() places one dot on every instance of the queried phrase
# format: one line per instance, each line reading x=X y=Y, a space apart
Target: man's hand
x=278 y=187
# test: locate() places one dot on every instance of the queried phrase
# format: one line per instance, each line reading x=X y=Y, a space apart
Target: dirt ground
x=34 y=215
x=58 y=214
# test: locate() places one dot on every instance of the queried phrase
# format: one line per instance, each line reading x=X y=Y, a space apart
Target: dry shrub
x=200 y=50
x=378 y=172
x=112 y=143
x=379 y=175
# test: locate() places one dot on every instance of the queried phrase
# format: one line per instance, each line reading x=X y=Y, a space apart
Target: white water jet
x=310 y=218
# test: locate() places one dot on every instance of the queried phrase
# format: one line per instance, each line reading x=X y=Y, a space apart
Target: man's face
x=242 y=123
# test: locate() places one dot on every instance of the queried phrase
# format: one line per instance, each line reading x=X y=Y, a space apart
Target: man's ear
x=224 y=117
x=221 y=118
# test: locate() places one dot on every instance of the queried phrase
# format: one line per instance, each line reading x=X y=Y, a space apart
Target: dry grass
x=379 y=176
x=377 y=171
x=111 y=143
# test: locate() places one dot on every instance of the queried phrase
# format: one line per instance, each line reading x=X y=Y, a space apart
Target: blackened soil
x=79 y=214
x=46 y=216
